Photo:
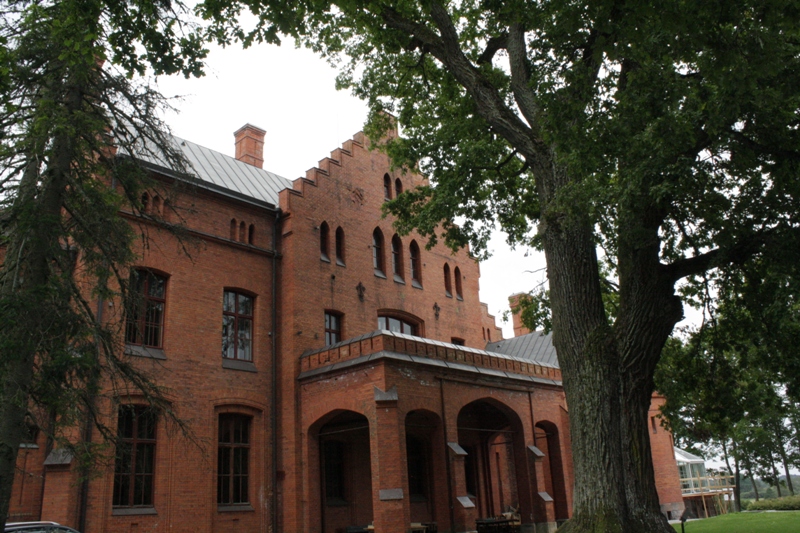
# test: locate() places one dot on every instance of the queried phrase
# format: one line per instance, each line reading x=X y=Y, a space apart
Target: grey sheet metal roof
x=536 y=346
x=682 y=456
x=223 y=173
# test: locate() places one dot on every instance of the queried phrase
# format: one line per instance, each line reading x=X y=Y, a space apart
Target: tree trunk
x=786 y=469
x=755 y=486
x=614 y=481
x=775 y=475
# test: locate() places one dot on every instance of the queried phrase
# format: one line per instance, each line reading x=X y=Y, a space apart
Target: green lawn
x=777 y=522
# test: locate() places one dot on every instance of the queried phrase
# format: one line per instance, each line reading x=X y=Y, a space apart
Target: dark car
x=38 y=527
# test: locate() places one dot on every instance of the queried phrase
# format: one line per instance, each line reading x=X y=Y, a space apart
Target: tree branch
x=521 y=75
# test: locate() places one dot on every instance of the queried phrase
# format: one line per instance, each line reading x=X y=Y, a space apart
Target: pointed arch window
x=145 y=203
x=234 y=225
x=387 y=187
x=416 y=265
x=448 y=286
x=324 y=241
x=340 y=246
x=398 y=187
x=377 y=253
x=457 y=276
x=241 y=231
x=251 y=233
x=397 y=259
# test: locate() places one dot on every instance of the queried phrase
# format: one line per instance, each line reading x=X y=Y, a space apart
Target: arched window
x=241 y=231
x=416 y=265
x=400 y=322
x=457 y=276
x=387 y=187
x=147 y=292
x=156 y=205
x=397 y=259
x=448 y=287
x=340 y=246
x=233 y=229
x=251 y=233
x=398 y=187
x=145 y=203
x=324 y=241
x=377 y=253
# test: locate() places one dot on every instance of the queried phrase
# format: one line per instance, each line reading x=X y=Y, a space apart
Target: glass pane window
x=233 y=459
x=144 y=323
x=134 y=469
x=396 y=325
x=237 y=326
x=333 y=328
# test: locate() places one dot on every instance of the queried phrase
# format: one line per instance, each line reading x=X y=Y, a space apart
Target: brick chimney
x=250 y=145
x=519 y=328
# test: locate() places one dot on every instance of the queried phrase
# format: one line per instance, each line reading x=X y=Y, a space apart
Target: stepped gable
x=537 y=347
x=223 y=173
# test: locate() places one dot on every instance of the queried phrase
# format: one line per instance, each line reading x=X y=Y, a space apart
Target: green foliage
x=789 y=503
x=70 y=127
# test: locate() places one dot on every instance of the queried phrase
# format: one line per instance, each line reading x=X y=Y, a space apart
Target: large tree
x=666 y=132
x=68 y=111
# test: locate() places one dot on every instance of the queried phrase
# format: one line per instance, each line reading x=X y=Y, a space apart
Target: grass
x=777 y=522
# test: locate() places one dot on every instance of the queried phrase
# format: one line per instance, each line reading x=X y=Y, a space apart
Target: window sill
x=29 y=445
x=416 y=284
x=238 y=364
x=132 y=511
x=324 y=258
x=398 y=279
x=379 y=274
x=144 y=351
x=446 y=293
x=340 y=263
x=234 y=508
x=460 y=298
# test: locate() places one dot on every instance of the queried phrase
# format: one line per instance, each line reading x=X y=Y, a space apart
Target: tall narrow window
x=234 y=226
x=145 y=203
x=397 y=259
x=156 y=205
x=387 y=187
x=416 y=265
x=233 y=459
x=416 y=460
x=324 y=241
x=448 y=287
x=340 y=246
x=237 y=326
x=145 y=313
x=457 y=276
x=398 y=187
x=333 y=327
x=251 y=233
x=377 y=252
x=134 y=469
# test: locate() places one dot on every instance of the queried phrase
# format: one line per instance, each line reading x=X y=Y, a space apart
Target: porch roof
x=383 y=344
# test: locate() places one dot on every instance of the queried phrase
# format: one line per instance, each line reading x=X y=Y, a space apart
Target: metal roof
x=682 y=456
x=220 y=172
x=536 y=346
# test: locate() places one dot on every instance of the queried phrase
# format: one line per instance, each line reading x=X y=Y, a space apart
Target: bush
x=789 y=503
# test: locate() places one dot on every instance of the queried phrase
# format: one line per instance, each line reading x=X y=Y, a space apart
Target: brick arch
x=495 y=469
x=425 y=467
x=339 y=480
x=548 y=439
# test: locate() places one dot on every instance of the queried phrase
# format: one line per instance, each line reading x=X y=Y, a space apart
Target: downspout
x=447 y=458
x=87 y=430
x=274 y=377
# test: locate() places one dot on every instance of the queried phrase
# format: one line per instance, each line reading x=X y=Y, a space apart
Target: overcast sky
x=291 y=94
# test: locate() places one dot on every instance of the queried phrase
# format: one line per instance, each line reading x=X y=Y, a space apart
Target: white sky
x=291 y=94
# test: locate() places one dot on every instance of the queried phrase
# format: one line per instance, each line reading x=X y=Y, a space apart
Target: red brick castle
x=337 y=376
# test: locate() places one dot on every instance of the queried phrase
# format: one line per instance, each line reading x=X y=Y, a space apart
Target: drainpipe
x=447 y=458
x=274 y=377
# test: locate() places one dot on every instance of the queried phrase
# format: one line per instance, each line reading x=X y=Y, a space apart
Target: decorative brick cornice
x=416 y=349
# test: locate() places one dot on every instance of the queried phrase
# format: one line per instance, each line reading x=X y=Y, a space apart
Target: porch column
x=390 y=503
